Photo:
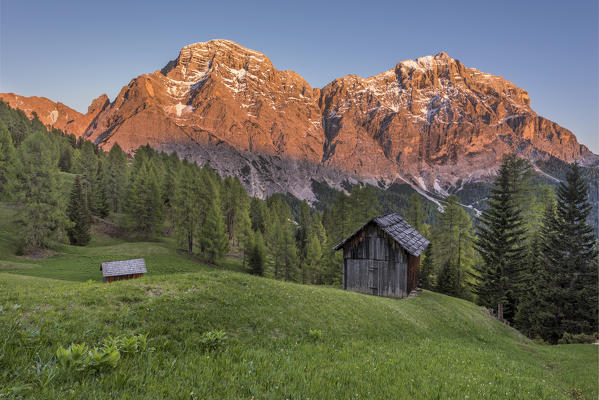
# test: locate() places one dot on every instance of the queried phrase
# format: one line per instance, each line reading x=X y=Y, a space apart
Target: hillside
x=431 y=122
x=430 y=346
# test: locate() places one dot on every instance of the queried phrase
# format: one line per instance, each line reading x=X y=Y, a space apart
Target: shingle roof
x=399 y=230
x=124 y=267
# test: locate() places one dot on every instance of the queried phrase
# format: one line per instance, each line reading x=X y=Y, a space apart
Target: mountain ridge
x=432 y=122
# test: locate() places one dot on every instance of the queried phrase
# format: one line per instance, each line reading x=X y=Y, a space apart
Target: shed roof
x=123 y=267
x=399 y=230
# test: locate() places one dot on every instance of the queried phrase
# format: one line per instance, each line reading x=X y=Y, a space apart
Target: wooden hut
x=382 y=257
x=122 y=270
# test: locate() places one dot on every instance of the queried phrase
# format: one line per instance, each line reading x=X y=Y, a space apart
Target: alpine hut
x=382 y=257
x=121 y=270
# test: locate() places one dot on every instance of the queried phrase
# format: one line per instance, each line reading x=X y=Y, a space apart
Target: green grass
x=428 y=347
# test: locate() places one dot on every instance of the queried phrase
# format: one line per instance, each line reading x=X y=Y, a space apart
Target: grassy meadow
x=283 y=340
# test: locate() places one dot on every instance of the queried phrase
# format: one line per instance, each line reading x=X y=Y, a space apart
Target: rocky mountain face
x=56 y=115
x=431 y=122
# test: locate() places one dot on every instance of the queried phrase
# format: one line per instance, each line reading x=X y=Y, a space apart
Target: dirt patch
x=107 y=228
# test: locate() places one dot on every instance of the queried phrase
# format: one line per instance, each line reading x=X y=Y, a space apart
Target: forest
x=530 y=257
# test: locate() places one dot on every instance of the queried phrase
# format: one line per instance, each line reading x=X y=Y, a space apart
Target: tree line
x=530 y=256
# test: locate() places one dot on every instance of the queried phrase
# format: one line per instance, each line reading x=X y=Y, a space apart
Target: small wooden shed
x=122 y=270
x=383 y=257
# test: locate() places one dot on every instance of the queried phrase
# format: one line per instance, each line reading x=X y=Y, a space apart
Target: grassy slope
x=431 y=346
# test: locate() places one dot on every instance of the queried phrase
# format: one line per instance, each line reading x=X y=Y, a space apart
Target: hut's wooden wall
x=413 y=272
x=373 y=264
x=122 y=277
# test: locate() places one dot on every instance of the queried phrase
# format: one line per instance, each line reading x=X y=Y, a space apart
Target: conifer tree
x=213 y=238
x=143 y=206
x=257 y=256
x=65 y=163
x=427 y=268
x=85 y=163
x=501 y=243
x=258 y=215
x=116 y=177
x=311 y=267
x=8 y=165
x=186 y=212
x=42 y=214
x=78 y=213
x=415 y=213
x=567 y=284
x=447 y=281
x=453 y=249
x=99 y=199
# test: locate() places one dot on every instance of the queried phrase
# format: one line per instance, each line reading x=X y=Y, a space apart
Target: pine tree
x=116 y=177
x=42 y=214
x=8 y=165
x=501 y=244
x=78 y=213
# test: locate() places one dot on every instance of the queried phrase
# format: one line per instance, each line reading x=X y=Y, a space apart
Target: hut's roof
x=124 y=267
x=399 y=230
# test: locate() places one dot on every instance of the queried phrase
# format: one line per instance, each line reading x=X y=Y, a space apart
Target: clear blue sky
x=73 y=51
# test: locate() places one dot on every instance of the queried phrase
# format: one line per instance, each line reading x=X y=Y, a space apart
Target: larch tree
x=144 y=206
x=453 y=248
x=116 y=177
x=8 y=165
x=42 y=214
x=99 y=197
x=186 y=213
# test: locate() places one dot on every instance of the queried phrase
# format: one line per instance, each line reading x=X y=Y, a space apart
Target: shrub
x=571 y=338
x=315 y=335
x=213 y=340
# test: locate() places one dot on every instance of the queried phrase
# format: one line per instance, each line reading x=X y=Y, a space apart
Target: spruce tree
x=501 y=244
x=8 y=165
x=448 y=282
x=78 y=213
x=569 y=251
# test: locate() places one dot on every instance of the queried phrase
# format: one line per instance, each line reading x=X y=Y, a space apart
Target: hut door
x=373 y=278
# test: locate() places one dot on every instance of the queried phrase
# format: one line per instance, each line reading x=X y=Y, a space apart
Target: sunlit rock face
x=431 y=122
